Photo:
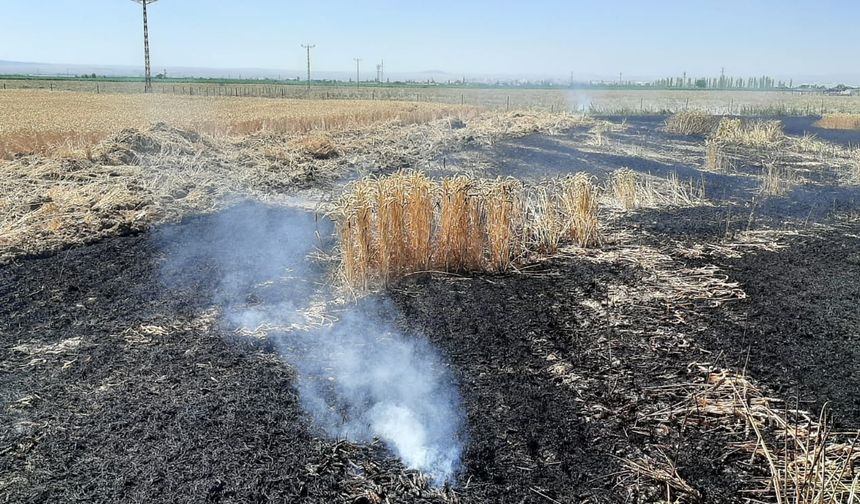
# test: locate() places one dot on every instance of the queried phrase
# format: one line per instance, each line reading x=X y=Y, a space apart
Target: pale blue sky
x=549 y=37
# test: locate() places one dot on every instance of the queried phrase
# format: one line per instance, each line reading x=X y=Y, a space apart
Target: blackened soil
x=799 y=328
x=554 y=388
x=129 y=414
x=115 y=389
x=792 y=125
x=736 y=193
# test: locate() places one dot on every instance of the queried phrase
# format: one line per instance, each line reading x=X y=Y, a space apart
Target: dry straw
x=775 y=179
x=318 y=146
x=715 y=158
x=623 y=185
x=579 y=203
x=795 y=457
x=629 y=190
x=854 y=166
x=405 y=222
x=839 y=121
x=691 y=122
x=808 y=462
x=750 y=133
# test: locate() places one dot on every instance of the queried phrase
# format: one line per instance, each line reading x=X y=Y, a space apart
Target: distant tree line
x=722 y=82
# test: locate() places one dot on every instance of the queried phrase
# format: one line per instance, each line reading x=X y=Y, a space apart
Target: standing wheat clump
x=504 y=215
x=405 y=222
x=624 y=186
x=579 y=202
x=355 y=228
x=420 y=218
x=544 y=226
x=461 y=241
x=714 y=156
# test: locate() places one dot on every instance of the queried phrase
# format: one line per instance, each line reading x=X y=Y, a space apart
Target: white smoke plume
x=359 y=377
x=579 y=101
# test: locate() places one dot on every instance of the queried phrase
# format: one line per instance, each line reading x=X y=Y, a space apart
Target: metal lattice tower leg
x=147 y=87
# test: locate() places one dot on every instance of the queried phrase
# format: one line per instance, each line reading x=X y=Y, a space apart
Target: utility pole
x=309 y=47
x=379 y=71
x=357 y=71
x=147 y=86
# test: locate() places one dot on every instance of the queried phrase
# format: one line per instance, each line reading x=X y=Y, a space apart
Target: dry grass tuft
x=839 y=121
x=405 y=222
x=666 y=472
x=750 y=133
x=691 y=122
x=543 y=229
x=628 y=190
x=775 y=179
x=854 y=166
x=598 y=135
x=579 y=203
x=811 y=143
x=319 y=146
x=679 y=193
x=623 y=184
x=715 y=157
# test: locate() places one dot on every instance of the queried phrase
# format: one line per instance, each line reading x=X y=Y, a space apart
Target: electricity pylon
x=147 y=87
x=357 y=72
x=309 y=47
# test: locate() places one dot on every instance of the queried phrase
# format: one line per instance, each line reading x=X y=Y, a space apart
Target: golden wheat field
x=38 y=121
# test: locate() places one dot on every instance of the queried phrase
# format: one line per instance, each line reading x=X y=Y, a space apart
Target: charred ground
x=117 y=389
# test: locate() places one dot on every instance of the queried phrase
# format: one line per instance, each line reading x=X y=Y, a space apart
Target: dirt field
x=652 y=368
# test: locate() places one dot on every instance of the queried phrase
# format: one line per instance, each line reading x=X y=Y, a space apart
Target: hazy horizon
x=549 y=38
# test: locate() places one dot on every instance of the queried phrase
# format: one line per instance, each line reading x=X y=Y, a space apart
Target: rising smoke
x=359 y=377
x=579 y=101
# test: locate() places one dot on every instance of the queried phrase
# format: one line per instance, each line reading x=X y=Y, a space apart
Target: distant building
x=841 y=90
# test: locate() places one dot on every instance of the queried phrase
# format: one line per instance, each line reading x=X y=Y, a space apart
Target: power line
x=147 y=86
x=309 y=47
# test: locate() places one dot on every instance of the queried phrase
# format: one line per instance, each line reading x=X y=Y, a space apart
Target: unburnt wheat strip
x=405 y=222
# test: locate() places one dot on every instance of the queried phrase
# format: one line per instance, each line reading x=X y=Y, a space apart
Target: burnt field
x=686 y=357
